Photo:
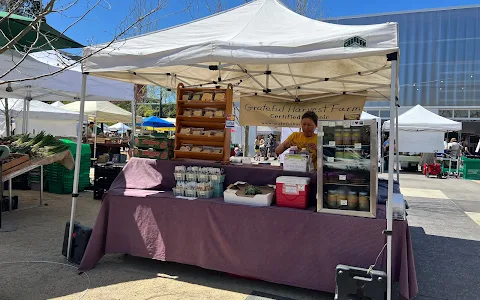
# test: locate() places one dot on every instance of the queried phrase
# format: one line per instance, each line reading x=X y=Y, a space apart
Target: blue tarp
x=156 y=122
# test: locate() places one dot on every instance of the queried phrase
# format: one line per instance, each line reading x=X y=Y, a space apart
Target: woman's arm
x=283 y=146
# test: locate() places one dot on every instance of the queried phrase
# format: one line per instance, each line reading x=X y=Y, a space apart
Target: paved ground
x=445 y=237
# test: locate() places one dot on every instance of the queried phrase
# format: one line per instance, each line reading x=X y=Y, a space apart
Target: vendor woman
x=305 y=139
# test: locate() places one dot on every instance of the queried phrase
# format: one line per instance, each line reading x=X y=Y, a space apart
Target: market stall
x=280 y=58
x=42 y=117
x=421 y=131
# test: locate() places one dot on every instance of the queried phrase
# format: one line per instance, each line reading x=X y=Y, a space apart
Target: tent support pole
x=391 y=154
x=77 y=163
x=134 y=121
x=95 y=138
x=396 y=141
x=24 y=115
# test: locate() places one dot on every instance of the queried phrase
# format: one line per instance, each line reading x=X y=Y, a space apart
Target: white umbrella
x=119 y=127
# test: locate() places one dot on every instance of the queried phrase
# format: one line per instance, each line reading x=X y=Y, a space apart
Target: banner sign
x=264 y=111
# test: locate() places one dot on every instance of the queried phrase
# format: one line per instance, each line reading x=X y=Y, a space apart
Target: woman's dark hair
x=312 y=116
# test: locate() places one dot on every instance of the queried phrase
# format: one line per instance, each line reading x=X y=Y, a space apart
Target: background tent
x=64 y=86
x=367 y=116
x=120 y=127
x=57 y=104
x=103 y=111
x=156 y=122
x=42 y=116
x=420 y=130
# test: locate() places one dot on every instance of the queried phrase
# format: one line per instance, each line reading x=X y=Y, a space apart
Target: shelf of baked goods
x=201 y=119
x=200 y=149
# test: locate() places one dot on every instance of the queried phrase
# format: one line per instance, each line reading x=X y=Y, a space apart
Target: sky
x=104 y=21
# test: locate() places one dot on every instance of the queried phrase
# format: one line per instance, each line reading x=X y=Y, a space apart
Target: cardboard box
x=151 y=142
x=235 y=193
x=162 y=155
x=295 y=163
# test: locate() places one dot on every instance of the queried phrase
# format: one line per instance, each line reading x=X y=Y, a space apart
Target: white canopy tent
x=57 y=104
x=101 y=111
x=420 y=130
x=261 y=47
x=119 y=127
x=53 y=120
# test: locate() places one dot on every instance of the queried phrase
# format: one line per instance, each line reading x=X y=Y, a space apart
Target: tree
x=26 y=8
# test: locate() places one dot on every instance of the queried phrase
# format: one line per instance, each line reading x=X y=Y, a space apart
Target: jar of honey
x=356 y=136
x=332 y=199
x=363 y=202
x=338 y=135
x=339 y=154
x=352 y=200
x=342 y=201
x=347 y=136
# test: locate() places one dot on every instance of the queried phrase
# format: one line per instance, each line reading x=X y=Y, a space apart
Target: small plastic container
x=217 y=178
x=205 y=194
x=191 y=177
x=179 y=176
x=178 y=192
x=191 y=193
x=203 y=178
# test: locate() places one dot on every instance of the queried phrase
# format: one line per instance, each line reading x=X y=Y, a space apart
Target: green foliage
x=252 y=190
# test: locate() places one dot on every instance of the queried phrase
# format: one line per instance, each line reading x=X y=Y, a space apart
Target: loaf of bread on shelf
x=207 y=97
x=186 y=148
x=219 y=113
x=210 y=112
x=186 y=96
x=197 y=112
x=219 y=97
x=197 y=149
x=188 y=112
x=197 y=131
x=197 y=96
x=185 y=130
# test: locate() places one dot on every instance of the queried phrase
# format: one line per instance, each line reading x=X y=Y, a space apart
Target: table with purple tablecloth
x=141 y=217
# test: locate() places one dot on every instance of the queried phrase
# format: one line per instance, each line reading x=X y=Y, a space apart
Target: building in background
x=439 y=62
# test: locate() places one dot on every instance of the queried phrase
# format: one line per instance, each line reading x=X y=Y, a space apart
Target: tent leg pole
x=77 y=164
x=28 y=116
x=396 y=141
x=24 y=114
x=391 y=154
x=95 y=139
x=134 y=120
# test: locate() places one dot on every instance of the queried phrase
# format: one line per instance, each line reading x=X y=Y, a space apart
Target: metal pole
x=10 y=193
x=391 y=153
x=77 y=163
x=134 y=120
x=396 y=141
x=28 y=116
x=41 y=185
x=24 y=115
x=95 y=138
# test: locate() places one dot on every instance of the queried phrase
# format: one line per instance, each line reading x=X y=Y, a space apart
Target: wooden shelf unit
x=207 y=123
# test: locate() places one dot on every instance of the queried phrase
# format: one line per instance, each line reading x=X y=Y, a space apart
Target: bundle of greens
x=252 y=190
x=42 y=145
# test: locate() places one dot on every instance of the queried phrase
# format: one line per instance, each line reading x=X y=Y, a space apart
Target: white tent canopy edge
x=263 y=48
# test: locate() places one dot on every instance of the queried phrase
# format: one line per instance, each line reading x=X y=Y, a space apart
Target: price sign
x=331 y=143
x=342 y=177
x=331 y=159
x=358 y=145
x=331 y=124
x=230 y=121
x=339 y=123
x=346 y=124
x=321 y=133
x=343 y=202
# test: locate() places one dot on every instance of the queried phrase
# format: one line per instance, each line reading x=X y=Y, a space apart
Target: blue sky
x=100 y=25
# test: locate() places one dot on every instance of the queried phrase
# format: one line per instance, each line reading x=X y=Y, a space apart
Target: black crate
x=81 y=236
x=98 y=193
x=6 y=203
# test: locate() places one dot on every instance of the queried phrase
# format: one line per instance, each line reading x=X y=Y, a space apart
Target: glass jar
x=347 y=136
x=355 y=154
x=363 y=202
x=332 y=199
x=356 y=136
x=338 y=135
x=342 y=201
x=352 y=200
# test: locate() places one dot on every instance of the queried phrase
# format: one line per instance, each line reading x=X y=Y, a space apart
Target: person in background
x=465 y=148
x=386 y=147
x=90 y=132
x=305 y=139
x=445 y=144
x=455 y=148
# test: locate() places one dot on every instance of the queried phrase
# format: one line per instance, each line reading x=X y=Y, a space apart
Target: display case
x=347 y=172
x=201 y=123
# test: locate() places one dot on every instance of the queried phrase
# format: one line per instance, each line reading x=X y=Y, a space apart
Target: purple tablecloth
x=281 y=245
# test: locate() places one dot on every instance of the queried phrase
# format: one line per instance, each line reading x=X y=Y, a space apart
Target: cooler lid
x=293 y=180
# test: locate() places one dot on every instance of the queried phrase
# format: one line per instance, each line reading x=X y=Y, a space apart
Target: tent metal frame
x=276 y=93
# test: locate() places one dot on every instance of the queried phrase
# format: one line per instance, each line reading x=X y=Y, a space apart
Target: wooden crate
x=16 y=162
x=207 y=123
